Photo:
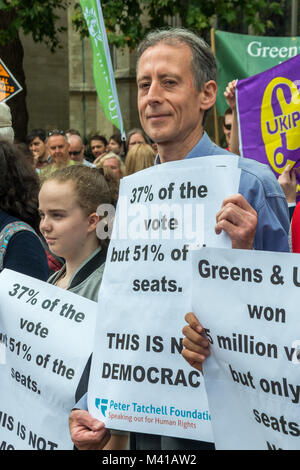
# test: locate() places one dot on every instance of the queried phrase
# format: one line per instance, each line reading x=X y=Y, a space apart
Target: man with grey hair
x=176 y=78
x=6 y=130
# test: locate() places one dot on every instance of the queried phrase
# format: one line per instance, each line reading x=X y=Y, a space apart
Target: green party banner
x=102 y=66
x=241 y=56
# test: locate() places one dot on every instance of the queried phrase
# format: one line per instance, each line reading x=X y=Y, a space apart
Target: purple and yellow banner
x=269 y=116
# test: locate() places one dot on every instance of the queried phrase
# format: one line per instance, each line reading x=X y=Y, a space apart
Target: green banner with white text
x=241 y=56
x=102 y=66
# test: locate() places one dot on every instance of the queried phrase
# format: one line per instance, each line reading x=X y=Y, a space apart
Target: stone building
x=60 y=86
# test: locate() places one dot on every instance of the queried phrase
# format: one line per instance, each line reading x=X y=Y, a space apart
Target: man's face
x=113 y=165
x=169 y=104
x=114 y=146
x=37 y=148
x=97 y=148
x=76 y=149
x=59 y=150
x=227 y=127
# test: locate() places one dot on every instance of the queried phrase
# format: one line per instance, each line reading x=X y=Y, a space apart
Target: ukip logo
x=101 y=404
x=280 y=123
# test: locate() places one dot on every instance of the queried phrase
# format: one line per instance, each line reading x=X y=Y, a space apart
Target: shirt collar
x=201 y=149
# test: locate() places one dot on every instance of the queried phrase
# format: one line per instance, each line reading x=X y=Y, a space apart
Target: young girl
x=68 y=202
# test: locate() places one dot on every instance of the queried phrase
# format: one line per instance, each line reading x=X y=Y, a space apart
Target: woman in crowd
x=136 y=136
x=20 y=246
x=112 y=162
x=68 y=203
x=139 y=157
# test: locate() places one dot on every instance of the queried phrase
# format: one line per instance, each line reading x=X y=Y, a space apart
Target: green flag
x=102 y=67
x=241 y=56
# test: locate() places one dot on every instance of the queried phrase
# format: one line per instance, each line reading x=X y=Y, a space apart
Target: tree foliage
x=36 y=17
x=126 y=21
x=126 y=26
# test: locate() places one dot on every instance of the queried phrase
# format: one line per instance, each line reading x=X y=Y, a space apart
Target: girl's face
x=64 y=224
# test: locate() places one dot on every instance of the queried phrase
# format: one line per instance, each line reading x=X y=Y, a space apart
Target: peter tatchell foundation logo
x=102 y=405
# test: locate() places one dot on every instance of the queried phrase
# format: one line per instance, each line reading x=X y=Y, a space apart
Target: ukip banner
x=241 y=56
x=102 y=67
x=269 y=116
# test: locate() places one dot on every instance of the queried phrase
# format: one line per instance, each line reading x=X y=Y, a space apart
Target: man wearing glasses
x=76 y=150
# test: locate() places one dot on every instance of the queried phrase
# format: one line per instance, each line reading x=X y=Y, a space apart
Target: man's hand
x=288 y=183
x=239 y=220
x=196 y=346
x=87 y=433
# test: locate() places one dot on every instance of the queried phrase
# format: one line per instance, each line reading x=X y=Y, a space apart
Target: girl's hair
x=139 y=157
x=19 y=185
x=92 y=187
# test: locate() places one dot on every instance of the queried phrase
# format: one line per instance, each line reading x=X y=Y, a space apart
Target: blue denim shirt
x=261 y=189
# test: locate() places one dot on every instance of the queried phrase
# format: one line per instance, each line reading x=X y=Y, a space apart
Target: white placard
x=46 y=338
x=248 y=302
x=139 y=381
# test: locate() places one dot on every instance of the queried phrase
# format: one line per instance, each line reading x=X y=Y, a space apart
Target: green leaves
x=124 y=25
x=128 y=20
x=35 y=17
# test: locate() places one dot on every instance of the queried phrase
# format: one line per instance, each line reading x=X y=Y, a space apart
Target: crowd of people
x=49 y=195
x=58 y=149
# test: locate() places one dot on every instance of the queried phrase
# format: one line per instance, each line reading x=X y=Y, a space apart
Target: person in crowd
x=26 y=153
x=36 y=141
x=113 y=162
x=76 y=150
x=136 y=136
x=72 y=132
x=116 y=145
x=176 y=79
x=98 y=145
x=227 y=126
x=288 y=182
x=20 y=246
x=295 y=230
x=68 y=202
x=139 y=157
x=58 y=147
x=231 y=120
x=6 y=130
